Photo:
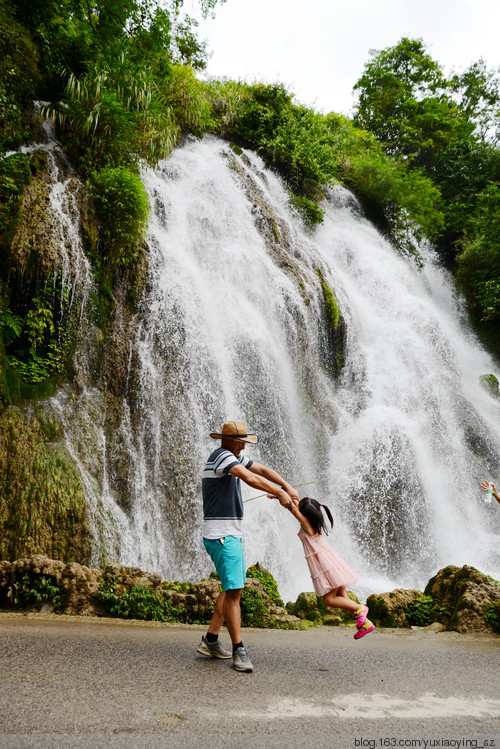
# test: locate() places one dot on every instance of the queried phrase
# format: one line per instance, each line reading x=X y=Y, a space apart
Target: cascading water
x=416 y=429
x=232 y=325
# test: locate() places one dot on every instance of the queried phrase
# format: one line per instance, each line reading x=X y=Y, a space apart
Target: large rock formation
x=460 y=598
x=472 y=598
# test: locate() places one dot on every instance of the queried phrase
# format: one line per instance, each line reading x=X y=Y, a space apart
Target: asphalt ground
x=89 y=682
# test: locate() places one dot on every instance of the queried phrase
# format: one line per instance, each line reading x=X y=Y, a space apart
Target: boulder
x=456 y=598
x=471 y=598
x=312 y=607
x=391 y=609
x=490 y=383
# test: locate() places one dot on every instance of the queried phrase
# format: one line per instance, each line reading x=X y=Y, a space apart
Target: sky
x=318 y=48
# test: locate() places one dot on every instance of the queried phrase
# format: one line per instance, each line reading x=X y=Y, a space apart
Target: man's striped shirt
x=222 y=502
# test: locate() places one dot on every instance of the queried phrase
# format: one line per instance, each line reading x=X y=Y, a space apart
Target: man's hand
x=282 y=497
x=291 y=491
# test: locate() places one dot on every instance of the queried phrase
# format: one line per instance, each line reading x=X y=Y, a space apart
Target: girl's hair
x=311 y=509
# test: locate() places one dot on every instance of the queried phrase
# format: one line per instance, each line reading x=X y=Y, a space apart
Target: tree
x=405 y=100
x=477 y=92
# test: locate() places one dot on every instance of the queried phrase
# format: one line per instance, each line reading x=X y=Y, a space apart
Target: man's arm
x=271 y=475
x=258 y=481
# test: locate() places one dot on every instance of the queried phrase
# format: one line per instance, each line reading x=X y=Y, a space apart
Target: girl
x=329 y=573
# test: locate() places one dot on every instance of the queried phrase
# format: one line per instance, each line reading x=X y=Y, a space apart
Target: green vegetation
x=137 y=603
x=314 y=151
x=35 y=591
x=425 y=611
x=446 y=130
x=42 y=502
x=492 y=616
x=332 y=306
x=253 y=609
x=421 y=152
x=122 y=206
x=268 y=583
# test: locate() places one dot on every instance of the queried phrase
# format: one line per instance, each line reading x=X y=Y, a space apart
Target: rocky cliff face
x=55 y=290
x=42 y=499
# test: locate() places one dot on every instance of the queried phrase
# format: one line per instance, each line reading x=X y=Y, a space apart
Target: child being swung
x=330 y=574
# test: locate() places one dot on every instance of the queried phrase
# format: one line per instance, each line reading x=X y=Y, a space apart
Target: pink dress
x=328 y=570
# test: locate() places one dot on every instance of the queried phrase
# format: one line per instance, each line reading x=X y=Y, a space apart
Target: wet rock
x=490 y=383
x=457 y=598
x=391 y=609
x=472 y=598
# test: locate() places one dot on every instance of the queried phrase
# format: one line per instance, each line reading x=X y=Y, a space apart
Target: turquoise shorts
x=227 y=555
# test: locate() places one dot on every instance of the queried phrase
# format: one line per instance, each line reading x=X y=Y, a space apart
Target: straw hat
x=235 y=430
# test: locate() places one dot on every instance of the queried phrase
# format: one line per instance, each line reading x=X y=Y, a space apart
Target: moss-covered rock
x=391 y=609
x=460 y=598
x=490 y=383
x=472 y=598
x=269 y=584
x=42 y=504
x=335 y=327
x=127 y=592
x=312 y=608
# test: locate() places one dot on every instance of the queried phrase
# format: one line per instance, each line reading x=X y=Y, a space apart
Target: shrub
x=424 y=611
x=253 y=609
x=492 y=617
x=122 y=204
x=268 y=583
x=39 y=590
x=137 y=603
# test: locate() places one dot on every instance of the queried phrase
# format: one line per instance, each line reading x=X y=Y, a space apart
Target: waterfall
x=231 y=325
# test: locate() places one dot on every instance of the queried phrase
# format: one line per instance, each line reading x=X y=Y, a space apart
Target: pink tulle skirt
x=328 y=570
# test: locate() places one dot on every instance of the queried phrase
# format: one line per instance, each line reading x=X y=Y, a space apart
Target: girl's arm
x=304 y=522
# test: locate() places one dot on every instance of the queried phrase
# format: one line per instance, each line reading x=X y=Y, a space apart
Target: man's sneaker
x=216 y=650
x=241 y=661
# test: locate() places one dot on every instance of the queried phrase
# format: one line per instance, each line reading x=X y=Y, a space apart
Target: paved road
x=69 y=682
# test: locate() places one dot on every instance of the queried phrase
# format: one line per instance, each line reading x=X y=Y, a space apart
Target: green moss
x=331 y=303
x=490 y=383
x=268 y=583
x=42 y=502
x=253 y=609
x=236 y=149
x=14 y=176
x=276 y=231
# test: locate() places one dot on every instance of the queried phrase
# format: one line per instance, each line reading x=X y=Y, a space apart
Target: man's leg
x=232 y=614
x=217 y=619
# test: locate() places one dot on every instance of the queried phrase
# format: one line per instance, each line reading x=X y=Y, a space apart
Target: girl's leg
x=338 y=599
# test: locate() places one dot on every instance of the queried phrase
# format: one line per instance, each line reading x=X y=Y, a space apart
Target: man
x=222 y=531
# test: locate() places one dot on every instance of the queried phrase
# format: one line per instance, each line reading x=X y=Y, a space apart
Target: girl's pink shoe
x=364 y=631
x=362 y=617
